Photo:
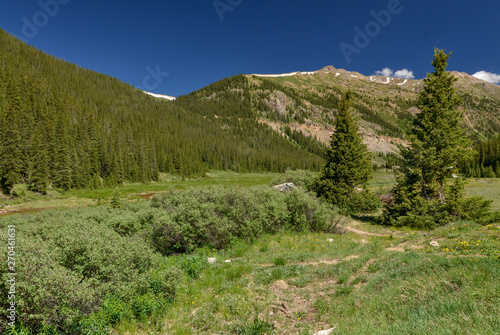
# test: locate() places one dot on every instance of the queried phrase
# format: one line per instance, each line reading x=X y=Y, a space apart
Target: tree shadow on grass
x=366 y=218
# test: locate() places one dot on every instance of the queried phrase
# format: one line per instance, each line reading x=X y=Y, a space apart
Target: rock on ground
x=325 y=332
x=284 y=187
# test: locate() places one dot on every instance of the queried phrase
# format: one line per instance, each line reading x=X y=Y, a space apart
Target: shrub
x=409 y=208
x=215 y=217
x=476 y=208
x=306 y=213
x=49 y=296
x=84 y=270
x=280 y=261
x=363 y=202
x=256 y=327
x=72 y=262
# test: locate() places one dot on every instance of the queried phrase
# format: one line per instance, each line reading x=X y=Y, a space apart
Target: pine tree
x=348 y=164
x=39 y=175
x=10 y=153
x=63 y=162
x=437 y=146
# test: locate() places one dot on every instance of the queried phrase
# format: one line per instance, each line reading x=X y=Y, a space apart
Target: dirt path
x=360 y=232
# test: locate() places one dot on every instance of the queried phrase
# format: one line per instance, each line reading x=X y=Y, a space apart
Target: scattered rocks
x=284 y=187
x=212 y=260
x=227 y=261
x=434 y=244
x=326 y=331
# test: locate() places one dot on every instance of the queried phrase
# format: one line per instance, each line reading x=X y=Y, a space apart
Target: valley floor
x=369 y=279
x=381 y=183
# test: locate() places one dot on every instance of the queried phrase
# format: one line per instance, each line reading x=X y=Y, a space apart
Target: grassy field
x=29 y=202
x=357 y=283
x=488 y=188
x=368 y=279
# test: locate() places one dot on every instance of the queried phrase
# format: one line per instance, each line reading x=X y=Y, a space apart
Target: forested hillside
x=301 y=105
x=68 y=127
x=487 y=161
x=385 y=105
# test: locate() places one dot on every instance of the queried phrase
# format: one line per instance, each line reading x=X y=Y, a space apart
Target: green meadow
x=145 y=259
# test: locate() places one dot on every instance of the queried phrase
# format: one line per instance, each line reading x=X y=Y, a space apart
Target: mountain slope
x=304 y=101
x=386 y=103
x=78 y=128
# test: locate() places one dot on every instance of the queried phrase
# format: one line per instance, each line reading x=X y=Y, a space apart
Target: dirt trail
x=360 y=232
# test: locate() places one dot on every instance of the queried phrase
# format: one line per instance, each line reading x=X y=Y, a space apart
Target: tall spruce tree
x=39 y=176
x=10 y=137
x=348 y=166
x=437 y=145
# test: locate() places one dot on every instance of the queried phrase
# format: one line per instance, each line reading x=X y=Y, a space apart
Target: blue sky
x=198 y=42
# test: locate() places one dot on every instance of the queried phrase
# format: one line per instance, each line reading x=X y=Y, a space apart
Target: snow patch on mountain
x=283 y=74
x=162 y=96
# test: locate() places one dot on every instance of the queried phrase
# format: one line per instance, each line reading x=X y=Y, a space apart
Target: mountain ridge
x=304 y=101
x=339 y=71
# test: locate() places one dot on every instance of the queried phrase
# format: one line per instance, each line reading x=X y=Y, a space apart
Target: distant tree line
x=486 y=163
x=307 y=142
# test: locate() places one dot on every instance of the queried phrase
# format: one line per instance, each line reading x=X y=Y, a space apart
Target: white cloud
x=488 y=76
x=404 y=73
x=386 y=72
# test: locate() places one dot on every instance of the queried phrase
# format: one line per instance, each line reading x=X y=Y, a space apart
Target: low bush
x=69 y=262
x=256 y=327
x=215 y=217
x=420 y=213
x=81 y=271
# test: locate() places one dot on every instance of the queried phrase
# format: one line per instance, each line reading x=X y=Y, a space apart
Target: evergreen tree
x=63 y=157
x=437 y=146
x=10 y=138
x=348 y=164
x=74 y=128
x=38 y=178
x=488 y=156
